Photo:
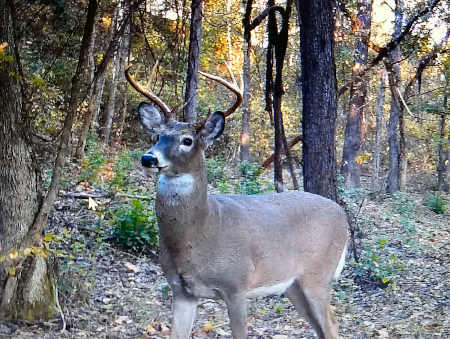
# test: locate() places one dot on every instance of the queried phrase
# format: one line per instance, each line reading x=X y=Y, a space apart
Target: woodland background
x=366 y=117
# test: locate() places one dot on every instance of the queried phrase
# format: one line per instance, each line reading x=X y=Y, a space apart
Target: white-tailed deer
x=234 y=246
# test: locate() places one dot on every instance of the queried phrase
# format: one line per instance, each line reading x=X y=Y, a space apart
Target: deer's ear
x=150 y=117
x=213 y=127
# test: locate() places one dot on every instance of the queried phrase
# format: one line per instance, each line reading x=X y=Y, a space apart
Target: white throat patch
x=179 y=185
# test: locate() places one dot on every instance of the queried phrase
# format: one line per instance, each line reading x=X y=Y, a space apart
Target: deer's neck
x=183 y=192
x=181 y=207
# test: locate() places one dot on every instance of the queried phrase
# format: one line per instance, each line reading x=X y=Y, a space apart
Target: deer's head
x=179 y=146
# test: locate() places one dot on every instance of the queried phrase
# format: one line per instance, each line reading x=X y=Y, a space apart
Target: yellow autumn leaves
x=15 y=255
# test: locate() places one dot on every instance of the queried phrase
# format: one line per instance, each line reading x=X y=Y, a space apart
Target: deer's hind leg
x=312 y=301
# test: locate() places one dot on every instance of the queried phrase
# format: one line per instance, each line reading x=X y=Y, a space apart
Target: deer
x=230 y=246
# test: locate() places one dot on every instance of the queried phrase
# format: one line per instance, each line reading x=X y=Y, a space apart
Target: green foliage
x=436 y=203
x=405 y=208
x=125 y=163
x=278 y=308
x=135 y=226
x=251 y=182
x=215 y=169
x=94 y=160
x=376 y=267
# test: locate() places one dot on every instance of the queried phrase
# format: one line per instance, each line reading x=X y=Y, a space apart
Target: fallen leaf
x=92 y=204
x=383 y=333
x=208 y=327
x=131 y=268
x=150 y=330
x=122 y=319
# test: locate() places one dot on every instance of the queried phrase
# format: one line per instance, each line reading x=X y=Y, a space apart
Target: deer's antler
x=231 y=87
x=168 y=113
x=150 y=95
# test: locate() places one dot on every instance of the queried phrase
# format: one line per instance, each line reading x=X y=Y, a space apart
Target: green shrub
x=251 y=182
x=215 y=169
x=95 y=159
x=135 y=226
x=436 y=203
x=124 y=165
x=375 y=267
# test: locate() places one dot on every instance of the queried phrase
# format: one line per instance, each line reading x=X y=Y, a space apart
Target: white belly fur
x=341 y=264
x=269 y=290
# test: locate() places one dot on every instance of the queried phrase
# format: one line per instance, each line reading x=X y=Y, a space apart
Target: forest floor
x=399 y=289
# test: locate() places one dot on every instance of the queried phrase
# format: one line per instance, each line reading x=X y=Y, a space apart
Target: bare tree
x=117 y=75
x=246 y=46
x=195 y=44
x=378 y=131
x=393 y=69
x=350 y=168
x=444 y=145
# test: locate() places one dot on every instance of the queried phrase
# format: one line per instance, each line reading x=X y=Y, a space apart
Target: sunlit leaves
x=106 y=21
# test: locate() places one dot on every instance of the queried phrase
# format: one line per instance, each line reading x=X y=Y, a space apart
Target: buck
x=234 y=246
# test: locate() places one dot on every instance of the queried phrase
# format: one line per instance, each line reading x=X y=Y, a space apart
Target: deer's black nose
x=149 y=160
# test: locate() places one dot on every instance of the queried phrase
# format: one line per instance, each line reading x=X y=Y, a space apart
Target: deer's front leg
x=237 y=311
x=183 y=310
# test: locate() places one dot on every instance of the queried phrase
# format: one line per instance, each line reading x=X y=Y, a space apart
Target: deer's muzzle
x=149 y=160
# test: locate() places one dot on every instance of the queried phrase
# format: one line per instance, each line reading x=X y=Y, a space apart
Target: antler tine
x=150 y=95
x=231 y=87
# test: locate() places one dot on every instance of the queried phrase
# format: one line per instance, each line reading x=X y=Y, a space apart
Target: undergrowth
x=249 y=181
x=436 y=203
x=374 y=261
x=134 y=226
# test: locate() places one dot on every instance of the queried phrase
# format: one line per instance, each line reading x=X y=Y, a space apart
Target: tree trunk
x=278 y=91
x=319 y=97
x=393 y=69
x=123 y=18
x=91 y=114
x=79 y=153
x=378 y=132
x=444 y=145
x=350 y=168
x=27 y=288
x=403 y=153
x=195 y=43
x=125 y=55
x=246 y=46
x=111 y=103
x=274 y=99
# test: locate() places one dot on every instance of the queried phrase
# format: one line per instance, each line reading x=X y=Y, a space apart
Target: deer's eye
x=187 y=141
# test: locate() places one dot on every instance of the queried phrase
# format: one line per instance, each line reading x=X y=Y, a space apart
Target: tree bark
x=319 y=97
x=350 y=168
x=91 y=114
x=444 y=145
x=246 y=46
x=116 y=75
x=27 y=288
x=274 y=99
x=79 y=153
x=278 y=91
x=125 y=55
x=393 y=69
x=195 y=43
x=378 y=132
